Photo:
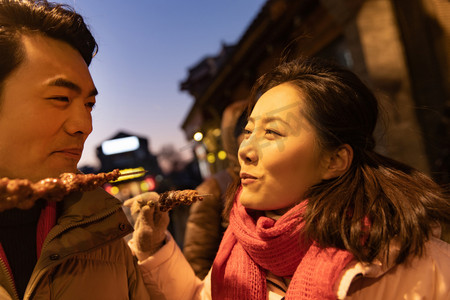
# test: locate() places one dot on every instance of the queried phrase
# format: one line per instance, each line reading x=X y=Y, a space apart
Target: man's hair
x=61 y=22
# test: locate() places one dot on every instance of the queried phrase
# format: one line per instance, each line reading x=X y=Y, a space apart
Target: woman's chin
x=247 y=203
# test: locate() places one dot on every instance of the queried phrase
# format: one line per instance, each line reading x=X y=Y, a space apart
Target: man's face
x=45 y=111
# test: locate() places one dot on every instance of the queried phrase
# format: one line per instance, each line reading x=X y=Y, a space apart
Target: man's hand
x=150 y=223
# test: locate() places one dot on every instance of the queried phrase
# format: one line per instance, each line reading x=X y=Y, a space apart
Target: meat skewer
x=22 y=193
x=171 y=199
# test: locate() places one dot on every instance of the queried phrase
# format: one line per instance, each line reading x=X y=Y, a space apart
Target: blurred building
x=125 y=150
x=400 y=48
x=129 y=153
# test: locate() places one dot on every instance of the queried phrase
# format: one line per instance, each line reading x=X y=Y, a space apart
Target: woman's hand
x=150 y=223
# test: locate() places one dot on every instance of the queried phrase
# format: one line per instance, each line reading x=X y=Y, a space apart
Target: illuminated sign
x=127 y=174
x=121 y=145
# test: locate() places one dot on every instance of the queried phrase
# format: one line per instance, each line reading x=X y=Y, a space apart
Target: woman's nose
x=248 y=153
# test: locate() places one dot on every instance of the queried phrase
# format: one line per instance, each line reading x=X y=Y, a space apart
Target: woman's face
x=279 y=155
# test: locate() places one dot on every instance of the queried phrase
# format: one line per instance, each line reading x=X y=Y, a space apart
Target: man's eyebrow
x=61 y=82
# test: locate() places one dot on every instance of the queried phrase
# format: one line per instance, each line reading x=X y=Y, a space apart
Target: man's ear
x=338 y=162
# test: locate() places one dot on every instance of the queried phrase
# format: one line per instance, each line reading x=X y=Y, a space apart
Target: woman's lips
x=247 y=179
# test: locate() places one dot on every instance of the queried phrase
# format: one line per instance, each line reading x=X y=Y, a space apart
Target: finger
x=149 y=197
x=133 y=204
x=165 y=219
x=128 y=203
x=146 y=215
x=161 y=219
x=155 y=218
x=135 y=209
x=143 y=236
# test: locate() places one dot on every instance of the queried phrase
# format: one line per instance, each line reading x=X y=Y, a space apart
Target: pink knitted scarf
x=249 y=248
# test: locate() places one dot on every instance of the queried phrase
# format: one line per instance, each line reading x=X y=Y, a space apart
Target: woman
x=317 y=214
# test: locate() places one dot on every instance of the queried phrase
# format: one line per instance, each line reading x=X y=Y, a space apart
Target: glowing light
x=211 y=158
x=216 y=132
x=132 y=176
x=198 y=136
x=144 y=186
x=221 y=155
x=107 y=188
x=148 y=184
x=114 y=190
x=121 y=145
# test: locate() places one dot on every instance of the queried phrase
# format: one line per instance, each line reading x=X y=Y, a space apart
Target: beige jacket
x=427 y=277
x=169 y=276
x=84 y=256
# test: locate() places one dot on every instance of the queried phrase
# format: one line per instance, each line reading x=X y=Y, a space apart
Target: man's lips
x=71 y=152
x=247 y=178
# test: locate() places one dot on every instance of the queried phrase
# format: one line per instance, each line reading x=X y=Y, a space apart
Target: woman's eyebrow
x=270 y=119
x=272 y=115
x=265 y=119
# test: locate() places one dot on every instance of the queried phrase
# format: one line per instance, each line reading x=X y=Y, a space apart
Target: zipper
x=51 y=237
x=10 y=279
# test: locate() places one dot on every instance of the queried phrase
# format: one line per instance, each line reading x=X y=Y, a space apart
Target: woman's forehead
x=280 y=101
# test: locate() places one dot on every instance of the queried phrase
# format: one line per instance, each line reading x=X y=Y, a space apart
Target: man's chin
x=55 y=172
x=72 y=169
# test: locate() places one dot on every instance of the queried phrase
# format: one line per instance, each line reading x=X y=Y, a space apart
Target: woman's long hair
x=378 y=199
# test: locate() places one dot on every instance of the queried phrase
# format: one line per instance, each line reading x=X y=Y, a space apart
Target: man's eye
x=59 y=98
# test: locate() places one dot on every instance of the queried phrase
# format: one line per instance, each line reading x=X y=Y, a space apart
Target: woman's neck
x=273 y=214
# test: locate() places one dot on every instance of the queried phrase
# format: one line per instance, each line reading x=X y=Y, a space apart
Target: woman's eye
x=272 y=132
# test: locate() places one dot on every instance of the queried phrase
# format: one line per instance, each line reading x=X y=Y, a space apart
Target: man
x=73 y=249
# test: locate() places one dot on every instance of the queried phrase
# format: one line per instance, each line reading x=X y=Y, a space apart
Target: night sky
x=145 y=50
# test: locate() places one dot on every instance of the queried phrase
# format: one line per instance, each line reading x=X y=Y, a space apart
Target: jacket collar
x=82 y=217
x=85 y=221
x=80 y=206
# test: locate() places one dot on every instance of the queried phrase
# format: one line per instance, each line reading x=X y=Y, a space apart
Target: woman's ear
x=339 y=161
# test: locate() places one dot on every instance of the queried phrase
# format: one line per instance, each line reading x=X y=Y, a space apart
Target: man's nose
x=79 y=120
